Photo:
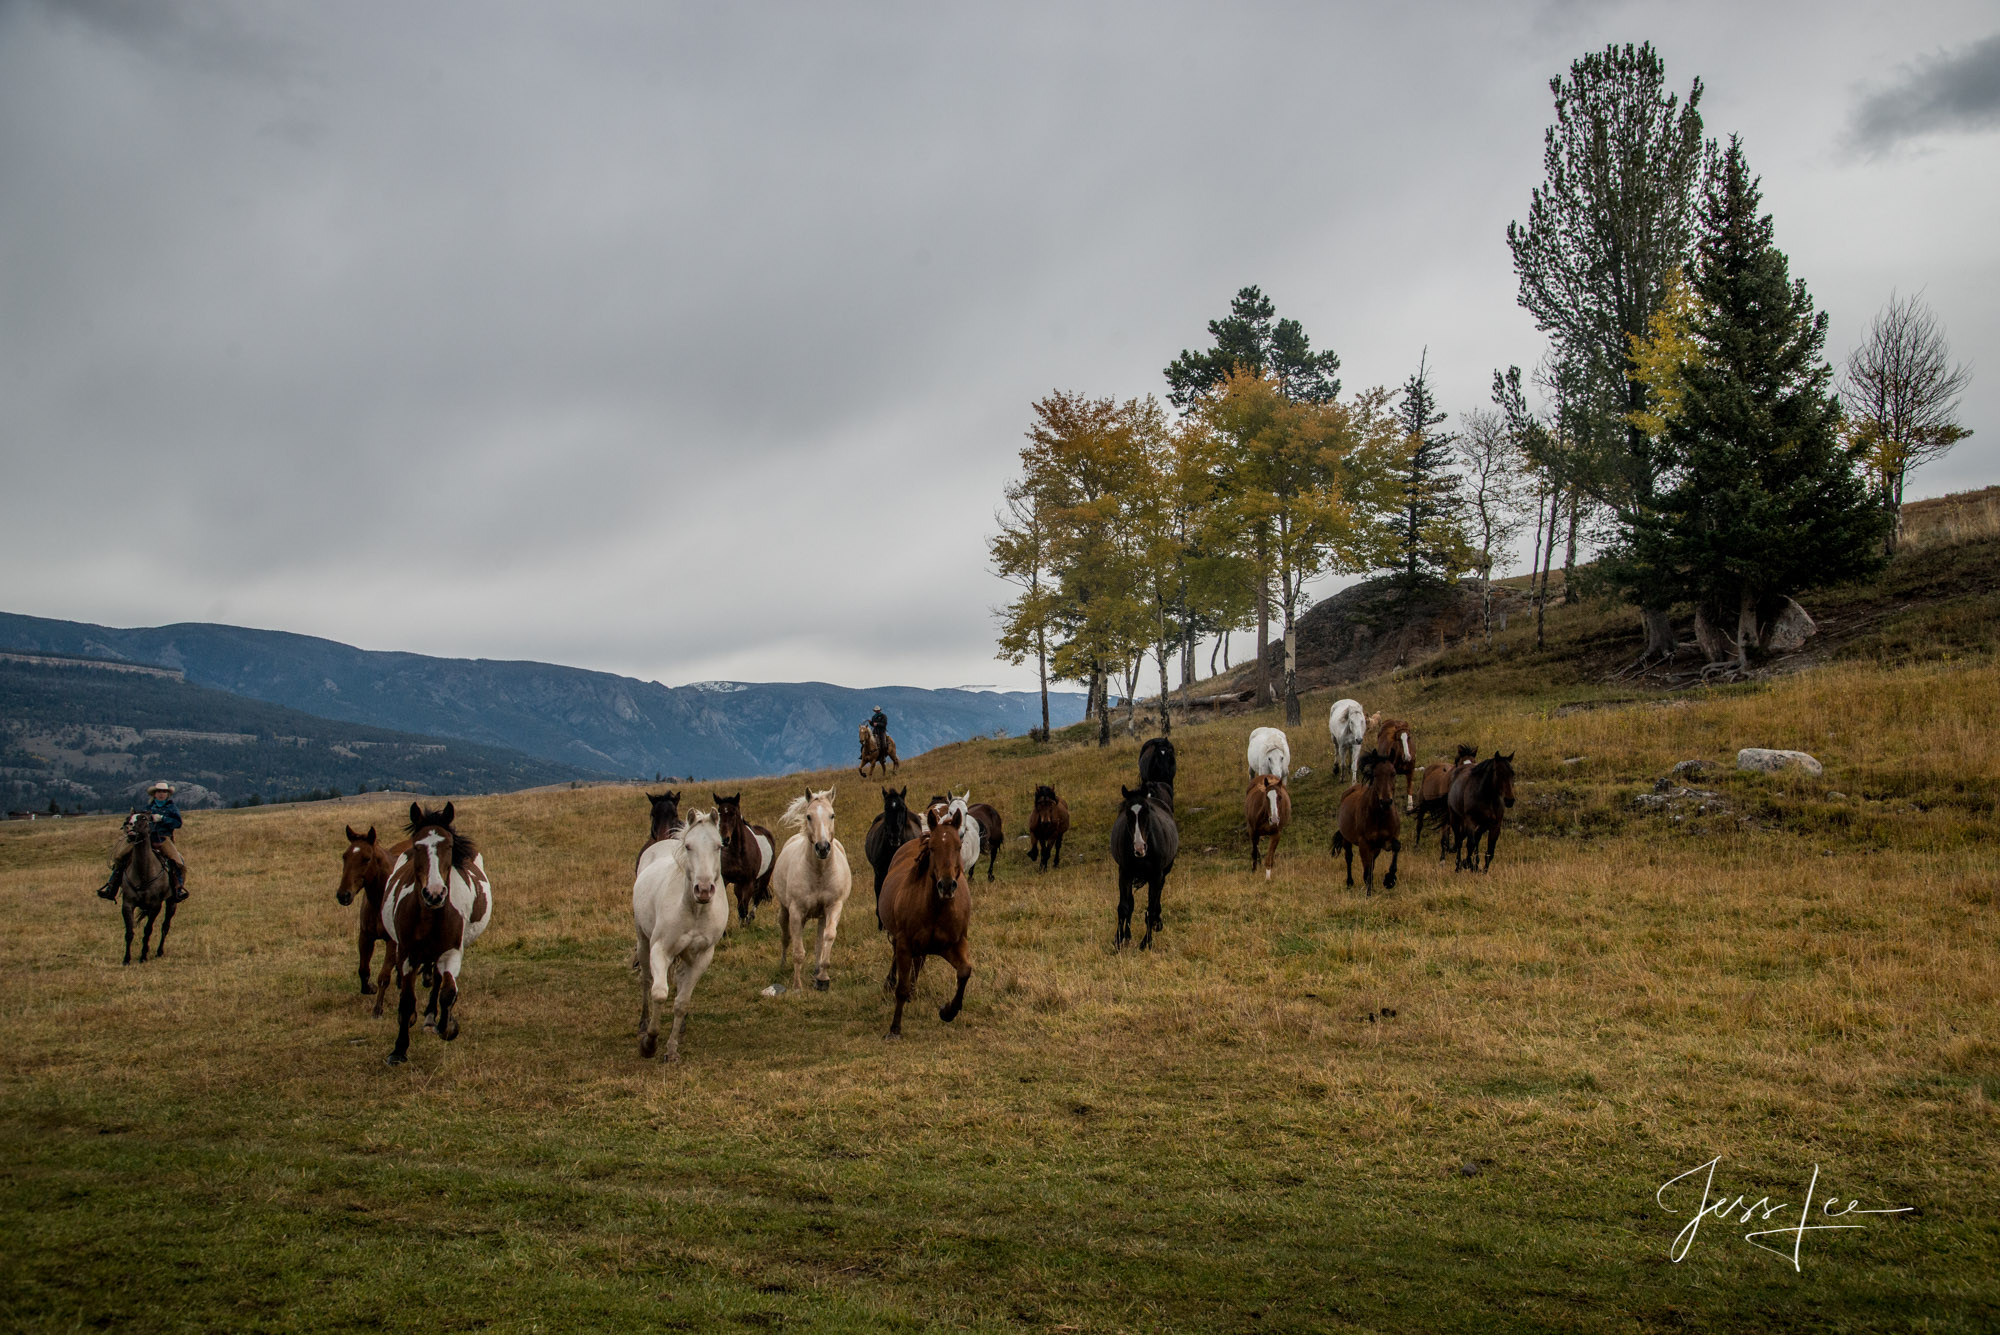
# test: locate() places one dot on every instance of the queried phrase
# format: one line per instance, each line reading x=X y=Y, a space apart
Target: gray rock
x=1789 y=630
x=1768 y=761
x=1690 y=769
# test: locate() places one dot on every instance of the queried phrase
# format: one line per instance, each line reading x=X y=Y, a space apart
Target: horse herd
x=427 y=897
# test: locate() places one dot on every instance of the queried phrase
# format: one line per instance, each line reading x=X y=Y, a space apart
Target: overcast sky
x=696 y=342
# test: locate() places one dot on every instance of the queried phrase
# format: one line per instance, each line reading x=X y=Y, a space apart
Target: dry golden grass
x=1227 y=1133
x=1963 y=516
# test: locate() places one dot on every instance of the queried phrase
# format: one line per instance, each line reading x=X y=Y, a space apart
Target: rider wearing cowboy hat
x=166 y=819
x=878 y=723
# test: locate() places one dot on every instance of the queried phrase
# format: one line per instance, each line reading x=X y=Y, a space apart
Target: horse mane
x=1465 y=752
x=463 y=850
x=795 y=814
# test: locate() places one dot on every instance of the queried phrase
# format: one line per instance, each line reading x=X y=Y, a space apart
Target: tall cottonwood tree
x=1611 y=220
x=1021 y=552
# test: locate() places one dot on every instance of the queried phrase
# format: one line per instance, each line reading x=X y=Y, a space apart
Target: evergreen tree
x=1429 y=542
x=1763 y=498
x=1247 y=341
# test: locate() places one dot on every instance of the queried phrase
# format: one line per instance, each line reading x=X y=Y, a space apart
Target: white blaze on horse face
x=1406 y=744
x=1271 y=794
x=434 y=881
x=1138 y=830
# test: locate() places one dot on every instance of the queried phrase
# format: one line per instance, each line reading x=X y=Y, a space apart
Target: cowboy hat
x=160 y=785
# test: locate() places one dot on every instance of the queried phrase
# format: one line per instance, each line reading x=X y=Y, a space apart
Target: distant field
x=1215 y=1136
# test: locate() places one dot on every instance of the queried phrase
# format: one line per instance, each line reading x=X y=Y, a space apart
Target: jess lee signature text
x=1712 y=1206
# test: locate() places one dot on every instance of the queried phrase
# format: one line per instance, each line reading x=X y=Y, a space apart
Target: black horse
x=890 y=831
x=1144 y=843
x=1157 y=765
x=1479 y=800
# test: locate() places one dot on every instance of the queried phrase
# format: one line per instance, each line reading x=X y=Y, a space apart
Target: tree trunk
x=1220 y=640
x=1896 y=512
x=1132 y=694
x=1264 y=695
x=1746 y=626
x=1548 y=558
x=1291 y=670
x=1166 y=714
x=1103 y=688
x=1042 y=666
x=1569 y=552
x=1486 y=600
x=1660 y=641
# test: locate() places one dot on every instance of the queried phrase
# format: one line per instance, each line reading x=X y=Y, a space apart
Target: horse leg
x=1367 y=868
x=364 y=946
x=146 y=935
x=993 y=860
x=691 y=971
x=785 y=929
x=1059 y=842
x=126 y=909
x=905 y=978
x=648 y=1031
x=1253 y=849
x=447 y=1023
x=829 y=927
x=1271 y=853
x=1395 y=854
x=795 y=944
x=431 y=1005
x=659 y=983
x=1154 y=885
x=1492 y=842
x=388 y=968
x=1123 y=935
x=160 y=946
x=406 y=1010
x=960 y=960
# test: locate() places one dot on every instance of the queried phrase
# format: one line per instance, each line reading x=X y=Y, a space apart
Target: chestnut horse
x=436 y=904
x=871 y=756
x=1047 y=826
x=926 y=909
x=666 y=820
x=1392 y=743
x=1369 y=822
x=1433 y=794
x=1267 y=806
x=1144 y=842
x=1480 y=796
x=364 y=871
x=889 y=831
x=748 y=855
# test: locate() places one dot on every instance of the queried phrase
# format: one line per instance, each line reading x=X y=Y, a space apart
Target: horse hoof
x=822 y=984
x=892 y=1035
x=450 y=1030
x=394 y=1059
x=367 y=990
x=671 y=1057
x=430 y=1026
x=647 y=1044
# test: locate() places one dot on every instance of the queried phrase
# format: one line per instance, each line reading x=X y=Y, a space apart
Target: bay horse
x=438 y=902
x=1480 y=796
x=926 y=909
x=1267 y=807
x=143 y=889
x=812 y=881
x=679 y=919
x=1348 y=727
x=364 y=874
x=873 y=756
x=1157 y=765
x=1144 y=842
x=1369 y=821
x=1392 y=743
x=1047 y=826
x=1433 y=797
x=991 y=835
x=888 y=832
x=749 y=853
x=665 y=820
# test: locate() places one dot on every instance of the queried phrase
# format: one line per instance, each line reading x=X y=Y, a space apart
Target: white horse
x=811 y=880
x=1349 y=726
x=969 y=830
x=1270 y=753
x=680 y=919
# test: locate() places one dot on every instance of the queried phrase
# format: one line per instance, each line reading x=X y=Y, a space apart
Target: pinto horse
x=748 y=854
x=1433 y=797
x=364 y=873
x=1047 y=826
x=926 y=909
x=1267 y=807
x=666 y=820
x=1144 y=843
x=1369 y=821
x=1480 y=796
x=437 y=903
x=890 y=831
x=873 y=756
x=143 y=889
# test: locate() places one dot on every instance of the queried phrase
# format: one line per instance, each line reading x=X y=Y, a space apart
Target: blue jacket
x=166 y=817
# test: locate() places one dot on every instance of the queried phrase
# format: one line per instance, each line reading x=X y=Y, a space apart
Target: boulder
x=1768 y=761
x=1789 y=630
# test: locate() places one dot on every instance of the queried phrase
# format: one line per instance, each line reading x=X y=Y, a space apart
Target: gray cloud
x=1956 y=90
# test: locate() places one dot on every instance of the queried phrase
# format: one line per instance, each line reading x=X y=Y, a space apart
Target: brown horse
x=1047 y=827
x=872 y=755
x=748 y=856
x=1392 y=743
x=1369 y=821
x=926 y=910
x=143 y=888
x=436 y=904
x=990 y=832
x=364 y=872
x=1266 y=808
x=1480 y=796
x=665 y=820
x=1433 y=794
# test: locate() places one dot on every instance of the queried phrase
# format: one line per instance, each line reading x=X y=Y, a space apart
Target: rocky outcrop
x=1378 y=625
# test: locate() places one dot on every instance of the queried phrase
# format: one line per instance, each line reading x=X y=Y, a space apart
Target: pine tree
x=1764 y=499
x=1429 y=543
x=1247 y=341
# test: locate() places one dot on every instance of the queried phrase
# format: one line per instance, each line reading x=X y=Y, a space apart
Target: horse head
x=666 y=808
x=1503 y=776
x=728 y=815
x=701 y=854
x=138 y=827
x=1045 y=796
x=813 y=814
x=1378 y=775
x=945 y=850
x=435 y=850
x=355 y=864
x=1466 y=754
x=1135 y=802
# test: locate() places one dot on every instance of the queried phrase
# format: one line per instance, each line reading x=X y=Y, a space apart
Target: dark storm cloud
x=1955 y=90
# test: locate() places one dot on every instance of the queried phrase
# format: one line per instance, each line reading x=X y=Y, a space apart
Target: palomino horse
x=1144 y=842
x=364 y=872
x=665 y=820
x=437 y=903
x=679 y=918
x=888 y=832
x=1433 y=793
x=926 y=910
x=987 y=822
x=1369 y=821
x=1047 y=826
x=873 y=756
x=748 y=855
x=143 y=889
x=812 y=881
x=1267 y=807
x=1392 y=743
x=1348 y=727
x=1270 y=752
x=1479 y=798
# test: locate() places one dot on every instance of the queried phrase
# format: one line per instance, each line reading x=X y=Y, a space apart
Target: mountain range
x=590 y=721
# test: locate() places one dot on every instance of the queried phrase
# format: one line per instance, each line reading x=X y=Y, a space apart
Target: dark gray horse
x=144 y=888
x=1144 y=842
x=890 y=831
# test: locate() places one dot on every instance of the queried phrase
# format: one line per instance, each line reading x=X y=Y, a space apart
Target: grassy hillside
x=1230 y=1133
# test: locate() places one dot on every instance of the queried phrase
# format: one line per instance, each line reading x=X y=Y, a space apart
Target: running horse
x=1368 y=822
x=1144 y=843
x=364 y=874
x=437 y=903
x=1267 y=808
x=143 y=889
x=748 y=855
x=1392 y=743
x=873 y=756
x=888 y=832
x=927 y=909
x=1046 y=827
x=1480 y=796
x=1433 y=797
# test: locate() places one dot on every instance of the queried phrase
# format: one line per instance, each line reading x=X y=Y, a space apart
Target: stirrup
x=108 y=891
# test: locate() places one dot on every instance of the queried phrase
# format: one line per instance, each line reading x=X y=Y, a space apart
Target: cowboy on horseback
x=166 y=819
x=878 y=723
